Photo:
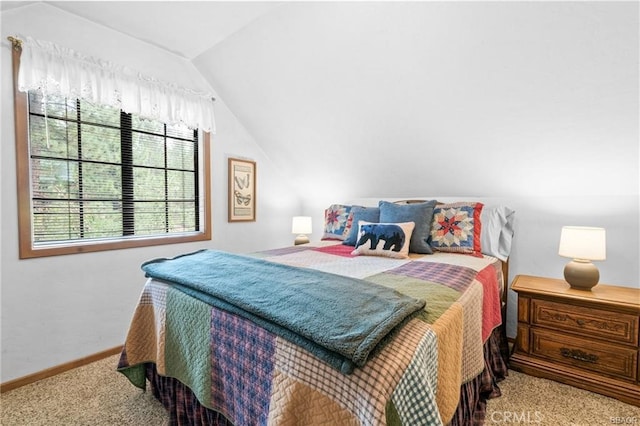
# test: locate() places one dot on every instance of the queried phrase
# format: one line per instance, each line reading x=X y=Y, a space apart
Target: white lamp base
x=581 y=274
x=301 y=239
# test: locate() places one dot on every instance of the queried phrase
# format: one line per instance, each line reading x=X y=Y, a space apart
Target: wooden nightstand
x=587 y=339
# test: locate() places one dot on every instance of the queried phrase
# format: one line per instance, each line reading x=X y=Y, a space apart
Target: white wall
x=461 y=98
x=58 y=309
x=532 y=103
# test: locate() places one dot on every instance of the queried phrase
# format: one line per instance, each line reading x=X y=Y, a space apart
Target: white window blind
x=100 y=173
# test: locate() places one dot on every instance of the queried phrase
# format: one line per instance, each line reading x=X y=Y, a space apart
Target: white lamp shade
x=582 y=242
x=301 y=225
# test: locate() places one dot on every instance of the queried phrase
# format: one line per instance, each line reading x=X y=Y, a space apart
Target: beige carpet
x=95 y=394
x=531 y=400
x=98 y=395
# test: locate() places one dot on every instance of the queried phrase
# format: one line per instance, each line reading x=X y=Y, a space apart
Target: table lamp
x=582 y=244
x=301 y=225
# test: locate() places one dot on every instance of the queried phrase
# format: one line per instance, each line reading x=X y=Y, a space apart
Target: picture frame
x=242 y=190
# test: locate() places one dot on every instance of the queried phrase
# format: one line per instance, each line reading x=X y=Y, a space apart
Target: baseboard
x=50 y=372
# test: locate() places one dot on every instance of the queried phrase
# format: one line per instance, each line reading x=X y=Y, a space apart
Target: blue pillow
x=419 y=213
x=367 y=214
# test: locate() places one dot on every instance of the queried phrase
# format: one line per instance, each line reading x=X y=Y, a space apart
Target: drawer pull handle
x=600 y=325
x=579 y=355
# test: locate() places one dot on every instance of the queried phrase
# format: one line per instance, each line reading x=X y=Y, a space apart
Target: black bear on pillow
x=392 y=235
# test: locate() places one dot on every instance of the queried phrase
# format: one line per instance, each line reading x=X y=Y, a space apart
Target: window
x=95 y=178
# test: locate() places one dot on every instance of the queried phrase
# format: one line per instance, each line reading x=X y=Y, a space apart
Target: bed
x=220 y=357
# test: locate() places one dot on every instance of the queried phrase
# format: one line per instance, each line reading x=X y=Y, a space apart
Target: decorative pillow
x=335 y=222
x=419 y=213
x=368 y=214
x=384 y=239
x=456 y=228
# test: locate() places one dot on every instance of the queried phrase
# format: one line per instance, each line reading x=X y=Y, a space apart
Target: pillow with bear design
x=384 y=239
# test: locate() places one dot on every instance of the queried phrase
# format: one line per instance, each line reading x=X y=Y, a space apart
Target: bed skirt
x=472 y=407
x=184 y=408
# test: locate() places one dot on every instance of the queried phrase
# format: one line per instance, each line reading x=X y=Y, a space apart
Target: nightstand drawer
x=588 y=322
x=613 y=360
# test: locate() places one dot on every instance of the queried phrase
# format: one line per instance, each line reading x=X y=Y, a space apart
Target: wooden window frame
x=23 y=171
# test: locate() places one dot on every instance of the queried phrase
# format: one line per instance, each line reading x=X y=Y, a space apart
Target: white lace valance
x=55 y=70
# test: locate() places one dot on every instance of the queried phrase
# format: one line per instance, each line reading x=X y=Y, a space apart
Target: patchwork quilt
x=348 y=318
x=253 y=376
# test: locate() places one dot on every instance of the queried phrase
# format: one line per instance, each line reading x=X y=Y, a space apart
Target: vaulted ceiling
x=405 y=98
x=186 y=28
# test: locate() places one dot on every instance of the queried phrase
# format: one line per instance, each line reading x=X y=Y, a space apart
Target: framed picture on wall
x=242 y=190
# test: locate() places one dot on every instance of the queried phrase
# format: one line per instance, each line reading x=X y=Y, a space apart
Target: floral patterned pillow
x=456 y=228
x=335 y=222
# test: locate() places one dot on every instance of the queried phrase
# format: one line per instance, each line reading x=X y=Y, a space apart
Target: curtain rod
x=16 y=44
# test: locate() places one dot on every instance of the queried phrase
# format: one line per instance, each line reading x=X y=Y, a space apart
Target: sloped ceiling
x=457 y=98
x=186 y=28
x=402 y=98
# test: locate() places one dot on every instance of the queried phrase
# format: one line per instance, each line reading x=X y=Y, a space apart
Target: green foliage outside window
x=97 y=172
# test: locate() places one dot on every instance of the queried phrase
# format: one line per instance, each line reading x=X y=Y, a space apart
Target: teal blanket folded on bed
x=337 y=318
